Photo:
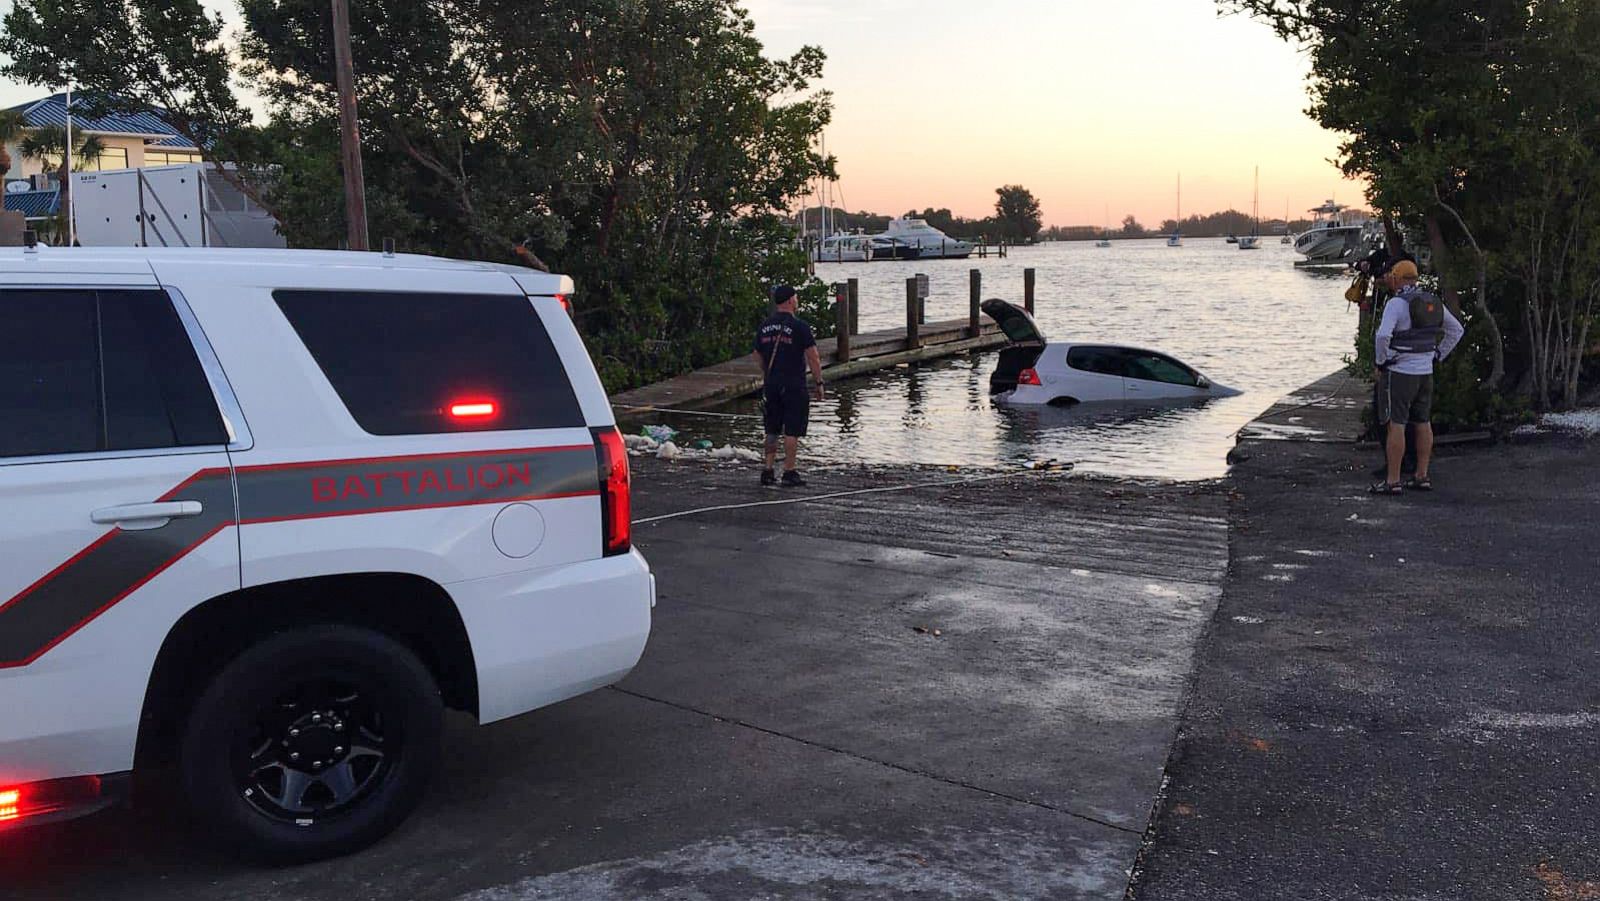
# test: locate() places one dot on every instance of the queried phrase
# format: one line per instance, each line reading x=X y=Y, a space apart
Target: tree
x=1131 y=227
x=47 y=146
x=134 y=55
x=1481 y=136
x=13 y=125
x=1017 y=213
x=647 y=149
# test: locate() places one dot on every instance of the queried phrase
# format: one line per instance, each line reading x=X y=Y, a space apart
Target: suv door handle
x=134 y=517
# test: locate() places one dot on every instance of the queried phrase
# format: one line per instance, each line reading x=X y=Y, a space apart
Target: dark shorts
x=786 y=410
x=1404 y=399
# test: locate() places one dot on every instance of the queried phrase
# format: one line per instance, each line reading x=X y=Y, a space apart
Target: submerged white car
x=1035 y=371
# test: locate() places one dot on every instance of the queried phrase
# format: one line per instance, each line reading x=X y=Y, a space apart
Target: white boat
x=1103 y=242
x=1332 y=238
x=1176 y=238
x=1252 y=241
x=1105 y=230
x=929 y=242
x=843 y=249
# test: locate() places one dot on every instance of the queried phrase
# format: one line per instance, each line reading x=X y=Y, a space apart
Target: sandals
x=1416 y=484
x=1385 y=487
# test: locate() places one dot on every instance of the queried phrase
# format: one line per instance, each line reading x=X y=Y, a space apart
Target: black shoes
x=768 y=479
x=791 y=479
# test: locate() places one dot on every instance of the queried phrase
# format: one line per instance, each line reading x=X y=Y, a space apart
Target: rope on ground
x=812 y=498
x=1287 y=410
x=647 y=408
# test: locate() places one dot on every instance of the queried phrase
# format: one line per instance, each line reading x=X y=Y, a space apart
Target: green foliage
x=644 y=148
x=1476 y=124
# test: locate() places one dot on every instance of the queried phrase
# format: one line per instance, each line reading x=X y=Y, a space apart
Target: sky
x=1096 y=107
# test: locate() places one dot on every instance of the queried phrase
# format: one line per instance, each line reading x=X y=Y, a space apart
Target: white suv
x=268 y=512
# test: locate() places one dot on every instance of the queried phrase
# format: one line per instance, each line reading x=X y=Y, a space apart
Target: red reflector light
x=616 y=507
x=54 y=796
x=566 y=302
x=475 y=409
x=1028 y=377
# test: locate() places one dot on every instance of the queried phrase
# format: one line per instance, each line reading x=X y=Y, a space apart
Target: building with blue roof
x=132 y=140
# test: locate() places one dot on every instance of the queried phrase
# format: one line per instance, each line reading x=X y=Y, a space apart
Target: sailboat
x=1105 y=231
x=1176 y=238
x=1288 y=236
x=1252 y=241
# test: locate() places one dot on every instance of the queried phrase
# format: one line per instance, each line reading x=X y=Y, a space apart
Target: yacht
x=1332 y=238
x=843 y=249
x=929 y=242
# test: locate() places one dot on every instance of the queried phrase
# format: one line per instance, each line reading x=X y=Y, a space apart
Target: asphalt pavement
x=965 y=689
x=1398 y=699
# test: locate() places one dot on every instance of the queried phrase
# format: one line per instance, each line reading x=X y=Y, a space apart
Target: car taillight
x=566 y=303
x=33 y=799
x=1028 y=377
x=616 y=507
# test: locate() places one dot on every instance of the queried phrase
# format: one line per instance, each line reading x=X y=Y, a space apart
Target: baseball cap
x=1403 y=269
x=782 y=293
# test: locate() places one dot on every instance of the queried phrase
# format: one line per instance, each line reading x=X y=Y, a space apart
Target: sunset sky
x=938 y=102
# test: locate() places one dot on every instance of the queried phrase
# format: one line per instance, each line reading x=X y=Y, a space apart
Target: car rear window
x=409 y=363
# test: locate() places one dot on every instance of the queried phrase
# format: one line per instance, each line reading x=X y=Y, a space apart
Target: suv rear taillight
x=616 y=507
x=1028 y=377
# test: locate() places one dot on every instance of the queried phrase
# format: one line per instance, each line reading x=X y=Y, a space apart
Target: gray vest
x=1427 y=326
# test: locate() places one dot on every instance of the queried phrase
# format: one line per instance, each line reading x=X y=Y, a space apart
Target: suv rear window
x=401 y=361
x=99 y=370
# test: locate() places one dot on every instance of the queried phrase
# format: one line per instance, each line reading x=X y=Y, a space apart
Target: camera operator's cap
x=782 y=294
x=1403 y=269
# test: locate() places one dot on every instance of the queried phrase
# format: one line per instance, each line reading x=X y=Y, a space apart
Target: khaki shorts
x=1404 y=399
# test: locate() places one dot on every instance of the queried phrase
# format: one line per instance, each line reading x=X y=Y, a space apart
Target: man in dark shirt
x=785 y=346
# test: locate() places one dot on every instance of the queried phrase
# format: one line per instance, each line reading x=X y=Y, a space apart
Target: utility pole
x=355 y=192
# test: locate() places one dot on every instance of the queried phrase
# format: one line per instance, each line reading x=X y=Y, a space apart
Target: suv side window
x=400 y=361
x=85 y=370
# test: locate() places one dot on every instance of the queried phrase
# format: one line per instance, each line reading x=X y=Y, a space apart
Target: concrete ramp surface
x=965 y=691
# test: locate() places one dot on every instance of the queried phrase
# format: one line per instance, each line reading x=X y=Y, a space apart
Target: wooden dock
x=842 y=357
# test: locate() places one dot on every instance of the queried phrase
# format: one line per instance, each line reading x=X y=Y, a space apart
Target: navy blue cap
x=782 y=294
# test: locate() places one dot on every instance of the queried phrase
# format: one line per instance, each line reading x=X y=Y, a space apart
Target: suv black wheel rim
x=315 y=750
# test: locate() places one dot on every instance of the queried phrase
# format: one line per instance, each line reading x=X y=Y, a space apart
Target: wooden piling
x=841 y=311
x=913 y=316
x=975 y=299
x=855 y=305
x=1027 y=289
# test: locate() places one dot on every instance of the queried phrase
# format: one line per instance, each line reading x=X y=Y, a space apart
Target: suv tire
x=311 y=744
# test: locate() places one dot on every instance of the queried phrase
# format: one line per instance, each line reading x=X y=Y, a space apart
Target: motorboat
x=1232 y=239
x=1286 y=239
x=1332 y=238
x=929 y=242
x=843 y=249
x=1248 y=242
x=1033 y=370
x=1103 y=242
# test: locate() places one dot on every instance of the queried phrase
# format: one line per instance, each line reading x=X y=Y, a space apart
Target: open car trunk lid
x=1018 y=326
x=1026 y=343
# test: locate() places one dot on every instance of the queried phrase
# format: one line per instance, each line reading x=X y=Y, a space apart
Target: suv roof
x=139 y=260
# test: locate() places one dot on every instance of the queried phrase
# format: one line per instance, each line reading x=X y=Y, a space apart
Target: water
x=1247 y=319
